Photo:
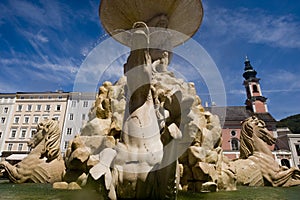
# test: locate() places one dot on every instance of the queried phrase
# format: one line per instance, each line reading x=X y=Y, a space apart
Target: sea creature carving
x=44 y=164
x=257 y=166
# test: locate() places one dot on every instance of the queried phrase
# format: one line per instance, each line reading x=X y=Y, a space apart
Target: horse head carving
x=34 y=168
x=254 y=131
x=257 y=166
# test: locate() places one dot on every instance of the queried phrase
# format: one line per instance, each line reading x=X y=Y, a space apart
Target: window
x=38 y=107
x=254 y=87
x=3 y=120
x=233 y=133
x=29 y=107
x=5 y=110
x=32 y=132
x=20 y=147
x=69 y=131
x=47 y=107
x=83 y=116
x=0 y=134
x=16 y=120
x=45 y=116
x=73 y=104
x=71 y=116
x=13 y=133
x=60 y=97
x=66 y=144
x=56 y=117
x=20 y=107
x=85 y=104
x=26 y=120
x=297 y=149
x=23 y=133
x=58 y=107
x=36 y=119
x=234 y=144
x=10 y=147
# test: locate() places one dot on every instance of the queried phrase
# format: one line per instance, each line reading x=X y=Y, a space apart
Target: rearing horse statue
x=44 y=164
x=257 y=166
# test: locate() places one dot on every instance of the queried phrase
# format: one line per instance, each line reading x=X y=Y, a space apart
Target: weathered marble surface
x=184 y=129
x=44 y=164
x=257 y=166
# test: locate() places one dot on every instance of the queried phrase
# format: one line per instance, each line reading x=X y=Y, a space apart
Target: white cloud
x=44 y=13
x=254 y=25
x=20 y=68
x=48 y=52
x=6 y=87
x=283 y=81
x=237 y=92
x=42 y=38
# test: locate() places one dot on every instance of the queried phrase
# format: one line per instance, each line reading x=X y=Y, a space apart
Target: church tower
x=255 y=101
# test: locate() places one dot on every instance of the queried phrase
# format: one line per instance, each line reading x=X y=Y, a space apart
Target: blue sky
x=43 y=44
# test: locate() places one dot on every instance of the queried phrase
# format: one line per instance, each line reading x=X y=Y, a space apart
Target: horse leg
x=285 y=178
x=11 y=172
x=294 y=179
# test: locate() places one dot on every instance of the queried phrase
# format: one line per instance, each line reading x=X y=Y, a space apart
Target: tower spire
x=255 y=101
x=249 y=72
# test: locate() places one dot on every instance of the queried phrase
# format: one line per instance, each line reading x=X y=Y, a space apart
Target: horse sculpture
x=44 y=164
x=257 y=166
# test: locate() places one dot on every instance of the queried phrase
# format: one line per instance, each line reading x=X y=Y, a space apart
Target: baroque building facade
x=78 y=107
x=21 y=112
x=6 y=108
x=27 y=111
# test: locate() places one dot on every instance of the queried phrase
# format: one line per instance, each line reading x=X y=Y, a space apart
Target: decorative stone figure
x=139 y=153
x=257 y=166
x=153 y=116
x=44 y=164
x=139 y=149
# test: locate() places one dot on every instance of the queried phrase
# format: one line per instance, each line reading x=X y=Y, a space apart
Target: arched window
x=234 y=144
x=254 y=87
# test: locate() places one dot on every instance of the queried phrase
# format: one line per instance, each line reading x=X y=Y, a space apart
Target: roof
x=82 y=96
x=8 y=94
x=45 y=92
x=238 y=113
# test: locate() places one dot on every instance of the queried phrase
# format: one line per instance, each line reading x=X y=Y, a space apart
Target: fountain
x=148 y=135
x=157 y=128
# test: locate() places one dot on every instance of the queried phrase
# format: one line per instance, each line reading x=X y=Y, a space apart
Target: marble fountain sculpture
x=257 y=166
x=44 y=164
x=150 y=126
